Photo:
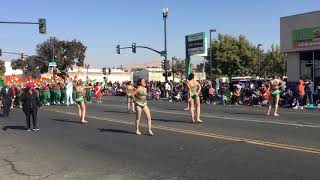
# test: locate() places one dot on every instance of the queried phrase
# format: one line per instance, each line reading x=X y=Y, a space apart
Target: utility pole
x=259 y=45
x=165 y=15
x=210 y=52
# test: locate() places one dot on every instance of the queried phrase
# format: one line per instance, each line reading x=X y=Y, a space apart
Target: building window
x=317 y=67
x=317 y=55
x=306 y=64
x=310 y=65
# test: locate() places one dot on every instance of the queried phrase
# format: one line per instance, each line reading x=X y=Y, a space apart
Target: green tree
x=233 y=56
x=67 y=53
x=199 y=67
x=274 y=62
x=31 y=65
x=18 y=64
x=2 y=68
x=179 y=68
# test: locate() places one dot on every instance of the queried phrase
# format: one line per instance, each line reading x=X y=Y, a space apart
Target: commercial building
x=156 y=74
x=300 y=40
x=150 y=74
x=116 y=75
x=10 y=71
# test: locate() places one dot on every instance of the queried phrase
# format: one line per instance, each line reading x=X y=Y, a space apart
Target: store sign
x=306 y=38
x=196 y=44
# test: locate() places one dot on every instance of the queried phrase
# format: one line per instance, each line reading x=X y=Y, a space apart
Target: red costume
x=97 y=91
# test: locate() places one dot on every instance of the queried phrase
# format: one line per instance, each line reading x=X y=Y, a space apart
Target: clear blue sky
x=102 y=24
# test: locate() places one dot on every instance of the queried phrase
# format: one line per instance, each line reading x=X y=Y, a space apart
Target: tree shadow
x=14 y=128
x=66 y=120
x=115 y=131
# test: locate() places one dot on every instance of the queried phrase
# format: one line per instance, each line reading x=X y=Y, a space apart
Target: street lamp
x=259 y=45
x=165 y=12
x=87 y=66
x=172 y=69
x=53 y=56
x=210 y=61
x=53 y=47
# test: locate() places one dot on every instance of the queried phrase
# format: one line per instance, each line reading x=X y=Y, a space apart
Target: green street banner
x=306 y=38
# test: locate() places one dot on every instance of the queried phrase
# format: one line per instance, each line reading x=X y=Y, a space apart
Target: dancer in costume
x=194 y=89
x=12 y=86
x=63 y=94
x=139 y=97
x=130 y=90
x=88 y=93
x=47 y=95
x=74 y=91
x=52 y=95
x=98 y=93
x=80 y=101
x=57 y=93
x=69 y=90
x=274 y=88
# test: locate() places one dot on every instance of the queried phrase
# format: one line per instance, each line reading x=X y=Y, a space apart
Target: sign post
x=196 y=45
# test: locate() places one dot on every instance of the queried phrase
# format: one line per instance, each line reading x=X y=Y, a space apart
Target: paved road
x=234 y=142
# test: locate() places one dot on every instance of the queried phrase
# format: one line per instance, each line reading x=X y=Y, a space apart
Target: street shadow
x=167 y=120
x=66 y=120
x=173 y=109
x=247 y=113
x=115 y=111
x=14 y=128
x=115 y=131
x=1 y=115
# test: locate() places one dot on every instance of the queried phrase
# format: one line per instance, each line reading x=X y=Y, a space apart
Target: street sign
x=196 y=44
x=163 y=53
x=52 y=64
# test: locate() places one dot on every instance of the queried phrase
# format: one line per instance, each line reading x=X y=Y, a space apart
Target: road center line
x=205 y=134
x=224 y=117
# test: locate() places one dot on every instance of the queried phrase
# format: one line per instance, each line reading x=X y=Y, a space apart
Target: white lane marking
x=225 y=117
x=298 y=112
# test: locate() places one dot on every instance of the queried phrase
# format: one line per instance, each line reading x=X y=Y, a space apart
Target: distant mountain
x=152 y=64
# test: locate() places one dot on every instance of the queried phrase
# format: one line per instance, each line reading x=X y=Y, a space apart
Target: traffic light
x=109 y=71
x=63 y=51
x=21 y=56
x=134 y=47
x=0 y=52
x=104 y=71
x=42 y=26
x=118 y=49
x=163 y=64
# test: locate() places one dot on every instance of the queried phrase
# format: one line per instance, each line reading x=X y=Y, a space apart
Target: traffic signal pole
x=41 y=22
x=162 y=53
x=22 y=54
x=144 y=47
